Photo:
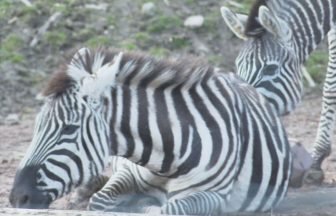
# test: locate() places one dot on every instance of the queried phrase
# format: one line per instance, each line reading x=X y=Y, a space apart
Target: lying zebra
x=208 y=141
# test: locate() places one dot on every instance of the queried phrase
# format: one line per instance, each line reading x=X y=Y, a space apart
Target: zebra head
x=71 y=141
x=268 y=60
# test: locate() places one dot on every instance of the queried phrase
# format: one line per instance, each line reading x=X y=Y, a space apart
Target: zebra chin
x=25 y=193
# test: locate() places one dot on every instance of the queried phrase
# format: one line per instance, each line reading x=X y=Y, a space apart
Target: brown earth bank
x=301 y=125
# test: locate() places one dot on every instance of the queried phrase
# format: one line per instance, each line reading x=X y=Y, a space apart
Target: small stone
x=194 y=21
x=148 y=8
x=101 y=7
x=12 y=119
x=4 y=161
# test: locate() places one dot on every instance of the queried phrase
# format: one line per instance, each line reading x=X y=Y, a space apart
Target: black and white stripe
x=306 y=23
x=208 y=141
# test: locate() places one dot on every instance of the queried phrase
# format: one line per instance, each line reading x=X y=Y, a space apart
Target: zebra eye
x=270 y=70
x=70 y=129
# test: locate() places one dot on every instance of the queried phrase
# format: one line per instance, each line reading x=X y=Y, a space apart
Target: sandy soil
x=300 y=125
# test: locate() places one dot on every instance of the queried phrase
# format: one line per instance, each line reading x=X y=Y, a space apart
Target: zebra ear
x=91 y=73
x=106 y=75
x=103 y=78
x=273 y=24
x=235 y=22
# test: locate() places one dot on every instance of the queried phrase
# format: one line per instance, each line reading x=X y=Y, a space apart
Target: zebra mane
x=253 y=28
x=137 y=66
x=58 y=83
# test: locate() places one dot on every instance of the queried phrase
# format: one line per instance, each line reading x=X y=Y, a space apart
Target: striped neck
x=310 y=21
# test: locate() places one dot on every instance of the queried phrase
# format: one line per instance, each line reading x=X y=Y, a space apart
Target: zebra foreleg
x=121 y=194
x=80 y=199
x=107 y=199
x=322 y=147
x=200 y=203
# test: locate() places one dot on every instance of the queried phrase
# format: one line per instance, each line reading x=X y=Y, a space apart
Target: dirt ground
x=300 y=125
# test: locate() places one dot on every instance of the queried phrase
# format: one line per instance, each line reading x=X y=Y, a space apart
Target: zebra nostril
x=23 y=200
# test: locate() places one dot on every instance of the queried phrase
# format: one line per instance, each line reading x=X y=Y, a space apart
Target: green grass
x=84 y=34
x=62 y=7
x=142 y=39
x=98 y=41
x=10 y=47
x=180 y=42
x=244 y=6
x=212 y=20
x=128 y=45
x=163 y=23
x=215 y=59
x=55 y=39
x=112 y=20
x=317 y=65
x=159 y=52
x=190 y=2
x=6 y=7
x=11 y=43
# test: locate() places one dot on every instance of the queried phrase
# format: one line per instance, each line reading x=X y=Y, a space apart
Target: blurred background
x=37 y=36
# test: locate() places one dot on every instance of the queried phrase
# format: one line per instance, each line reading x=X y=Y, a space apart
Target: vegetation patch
x=240 y=6
x=10 y=47
x=164 y=23
x=128 y=45
x=179 y=42
x=317 y=65
x=55 y=39
x=142 y=39
x=159 y=52
x=98 y=41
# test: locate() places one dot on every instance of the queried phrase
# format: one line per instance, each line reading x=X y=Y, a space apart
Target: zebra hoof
x=313 y=177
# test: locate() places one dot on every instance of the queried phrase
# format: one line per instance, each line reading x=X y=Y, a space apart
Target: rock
x=148 y=8
x=101 y=7
x=302 y=161
x=12 y=119
x=194 y=21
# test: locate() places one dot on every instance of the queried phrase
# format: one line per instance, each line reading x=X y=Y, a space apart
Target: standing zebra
x=279 y=36
x=209 y=142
